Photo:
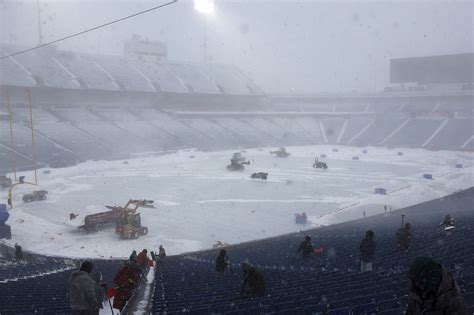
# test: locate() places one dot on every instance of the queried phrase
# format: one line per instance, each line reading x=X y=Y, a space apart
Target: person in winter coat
x=97 y=277
x=18 y=252
x=125 y=282
x=367 y=251
x=82 y=294
x=447 y=222
x=161 y=252
x=305 y=247
x=142 y=260
x=404 y=236
x=221 y=262
x=253 y=282
x=433 y=290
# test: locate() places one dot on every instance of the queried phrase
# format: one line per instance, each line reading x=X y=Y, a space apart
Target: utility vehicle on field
x=36 y=195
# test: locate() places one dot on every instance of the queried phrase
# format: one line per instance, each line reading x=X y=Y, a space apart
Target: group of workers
x=132 y=273
x=433 y=288
x=253 y=281
x=88 y=292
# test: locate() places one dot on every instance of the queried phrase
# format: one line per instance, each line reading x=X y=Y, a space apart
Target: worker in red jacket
x=142 y=260
x=125 y=282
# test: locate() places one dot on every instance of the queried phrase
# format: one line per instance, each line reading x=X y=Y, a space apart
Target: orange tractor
x=128 y=224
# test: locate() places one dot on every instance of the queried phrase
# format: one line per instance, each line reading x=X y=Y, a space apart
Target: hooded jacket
x=82 y=294
x=306 y=248
x=142 y=259
x=403 y=237
x=161 y=253
x=125 y=281
x=447 y=300
x=367 y=249
x=221 y=262
x=254 y=280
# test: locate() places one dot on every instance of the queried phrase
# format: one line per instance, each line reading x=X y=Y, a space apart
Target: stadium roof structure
x=52 y=68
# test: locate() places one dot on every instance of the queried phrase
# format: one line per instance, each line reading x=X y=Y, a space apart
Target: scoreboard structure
x=445 y=69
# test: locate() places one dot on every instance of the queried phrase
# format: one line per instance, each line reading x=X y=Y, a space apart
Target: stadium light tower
x=205 y=7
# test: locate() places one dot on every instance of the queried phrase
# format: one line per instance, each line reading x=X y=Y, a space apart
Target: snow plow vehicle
x=259 y=175
x=129 y=224
x=236 y=166
x=97 y=221
x=281 y=153
x=318 y=164
x=5 y=182
x=36 y=195
x=237 y=156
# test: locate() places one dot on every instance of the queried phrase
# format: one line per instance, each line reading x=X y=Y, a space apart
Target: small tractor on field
x=318 y=164
x=281 y=153
x=35 y=196
x=236 y=165
x=259 y=175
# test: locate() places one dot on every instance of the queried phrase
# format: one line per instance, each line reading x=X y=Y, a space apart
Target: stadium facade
x=162 y=106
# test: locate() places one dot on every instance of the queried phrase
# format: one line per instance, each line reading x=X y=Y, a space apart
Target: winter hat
x=87 y=266
x=427 y=272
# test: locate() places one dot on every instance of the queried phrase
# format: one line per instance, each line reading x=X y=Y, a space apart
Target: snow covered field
x=198 y=201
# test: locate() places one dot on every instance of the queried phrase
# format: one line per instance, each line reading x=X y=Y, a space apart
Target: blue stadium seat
x=395 y=311
x=365 y=309
x=325 y=283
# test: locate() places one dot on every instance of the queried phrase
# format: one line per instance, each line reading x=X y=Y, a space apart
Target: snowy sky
x=285 y=46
